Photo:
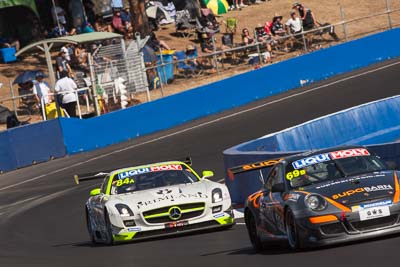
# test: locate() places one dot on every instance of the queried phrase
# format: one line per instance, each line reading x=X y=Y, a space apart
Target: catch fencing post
x=258 y=48
x=388 y=14
x=13 y=98
x=214 y=52
x=93 y=82
x=343 y=23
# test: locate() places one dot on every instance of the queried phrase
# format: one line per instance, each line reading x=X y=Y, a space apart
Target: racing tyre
x=89 y=228
x=292 y=231
x=108 y=233
x=253 y=233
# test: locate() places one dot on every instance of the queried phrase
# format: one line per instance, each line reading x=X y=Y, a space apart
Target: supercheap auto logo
x=362 y=190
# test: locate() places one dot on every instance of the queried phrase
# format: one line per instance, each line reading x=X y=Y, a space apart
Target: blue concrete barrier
x=30 y=144
x=226 y=94
x=368 y=124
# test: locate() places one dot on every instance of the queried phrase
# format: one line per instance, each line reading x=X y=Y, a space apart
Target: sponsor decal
x=350 y=180
x=216 y=216
x=355 y=152
x=172 y=167
x=176 y=224
x=170 y=198
x=131 y=173
x=134 y=229
x=166 y=191
x=261 y=164
x=372 y=205
x=254 y=199
x=295 y=174
x=362 y=190
x=298 y=164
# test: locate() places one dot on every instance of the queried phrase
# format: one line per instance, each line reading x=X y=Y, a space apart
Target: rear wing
x=253 y=166
x=102 y=174
x=90 y=176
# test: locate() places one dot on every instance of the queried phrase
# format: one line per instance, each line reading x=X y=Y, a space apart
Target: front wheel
x=89 y=228
x=253 y=232
x=292 y=231
x=108 y=232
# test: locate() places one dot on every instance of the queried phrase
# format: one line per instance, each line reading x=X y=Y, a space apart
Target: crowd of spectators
x=274 y=34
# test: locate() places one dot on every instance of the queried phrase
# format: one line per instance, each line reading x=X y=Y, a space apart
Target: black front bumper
x=348 y=229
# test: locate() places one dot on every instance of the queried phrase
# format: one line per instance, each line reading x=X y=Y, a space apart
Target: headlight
x=216 y=195
x=124 y=210
x=315 y=202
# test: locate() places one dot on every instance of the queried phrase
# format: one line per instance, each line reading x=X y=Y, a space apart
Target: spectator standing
x=89 y=10
x=66 y=51
x=306 y=15
x=58 y=14
x=41 y=89
x=62 y=63
x=65 y=88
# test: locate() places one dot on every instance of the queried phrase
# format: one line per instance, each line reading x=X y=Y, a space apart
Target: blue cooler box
x=166 y=72
x=8 y=55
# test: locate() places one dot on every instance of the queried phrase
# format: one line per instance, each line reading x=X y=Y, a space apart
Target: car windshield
x=133 y=181
x=323 y=167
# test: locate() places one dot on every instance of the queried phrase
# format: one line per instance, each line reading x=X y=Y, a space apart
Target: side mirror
x=207 y=174
x=95 y=192
x=278 y=188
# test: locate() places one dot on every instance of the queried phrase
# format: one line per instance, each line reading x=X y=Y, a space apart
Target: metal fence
x=119 y=77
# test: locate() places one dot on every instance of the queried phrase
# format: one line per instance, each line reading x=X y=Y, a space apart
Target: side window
x=103 y=187
x=274 y=177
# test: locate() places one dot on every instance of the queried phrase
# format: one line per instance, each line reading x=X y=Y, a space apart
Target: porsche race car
x=155 y=200
x=323 y=197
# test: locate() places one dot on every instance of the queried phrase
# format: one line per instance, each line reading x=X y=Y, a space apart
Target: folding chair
x=186 y=69
x=184 y=23
x=231 y=25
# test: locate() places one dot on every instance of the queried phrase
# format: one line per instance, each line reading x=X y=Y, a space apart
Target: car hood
x=165 y=196
x=356 y=189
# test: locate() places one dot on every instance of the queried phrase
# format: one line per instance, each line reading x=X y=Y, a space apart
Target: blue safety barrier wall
x=368 y=124
x=119 y=126
x=30 y=144
x=226 y=94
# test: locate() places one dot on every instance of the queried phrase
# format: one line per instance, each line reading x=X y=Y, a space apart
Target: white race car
x=156 y=200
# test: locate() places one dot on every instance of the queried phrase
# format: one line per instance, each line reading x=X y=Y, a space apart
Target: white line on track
x=240 y=224
x=201 y=125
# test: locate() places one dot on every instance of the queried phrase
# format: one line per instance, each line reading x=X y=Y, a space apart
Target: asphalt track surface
x=42 y=211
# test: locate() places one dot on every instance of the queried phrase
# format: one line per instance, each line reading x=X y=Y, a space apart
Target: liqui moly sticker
x=355 y=152
x=298 y=164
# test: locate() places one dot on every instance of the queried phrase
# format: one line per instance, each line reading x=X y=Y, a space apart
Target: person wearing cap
x=277 y=26
x=62 y=63
x=306 y=15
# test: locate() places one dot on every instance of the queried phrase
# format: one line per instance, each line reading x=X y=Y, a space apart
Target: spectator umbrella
x=28 y=76
x=217 y=6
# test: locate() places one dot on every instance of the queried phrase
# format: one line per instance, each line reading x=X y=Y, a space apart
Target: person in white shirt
x=65 y=87
x=293 y=25
x=41 y=89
